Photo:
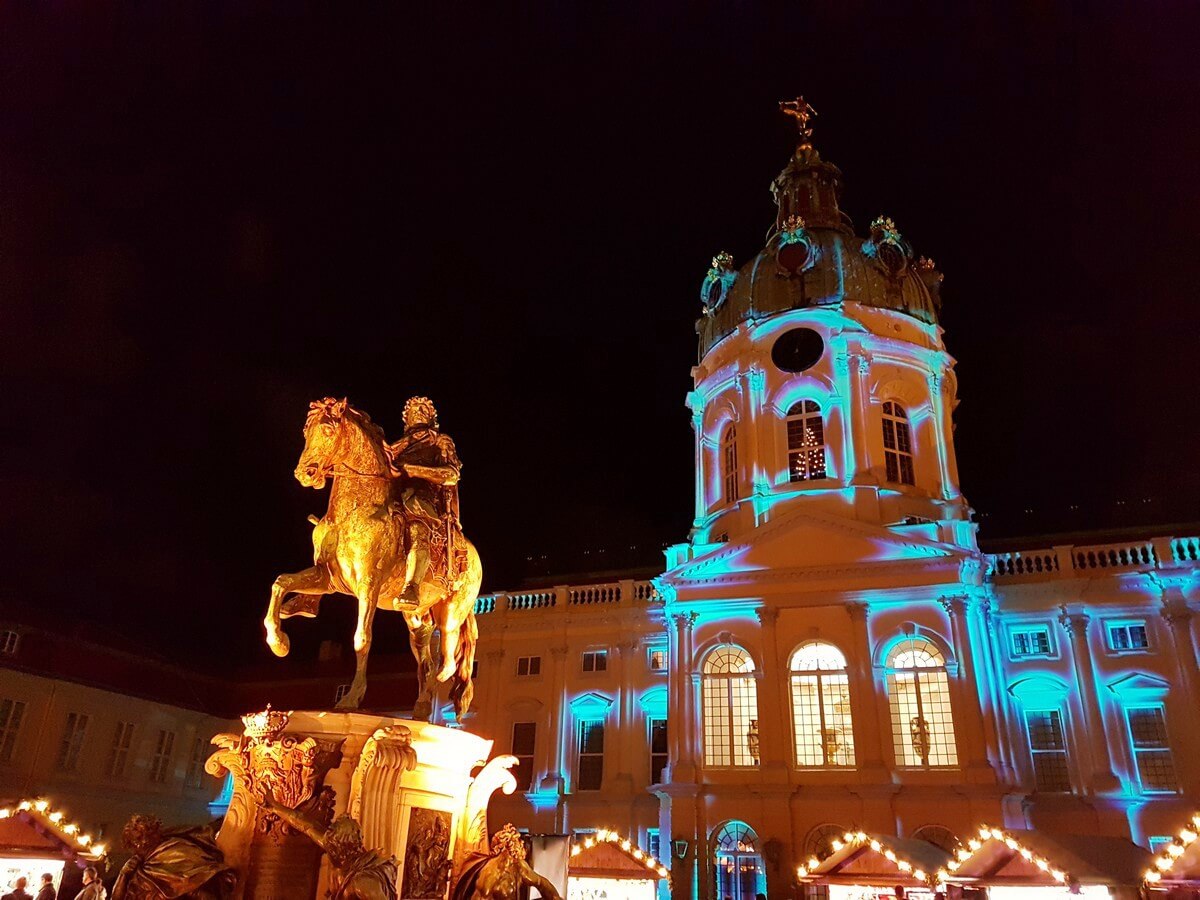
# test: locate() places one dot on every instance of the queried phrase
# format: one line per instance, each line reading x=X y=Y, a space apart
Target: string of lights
x=986 y=833
x=1171 y=854
x=66 y=831
x=861 y=838
x=605 y=835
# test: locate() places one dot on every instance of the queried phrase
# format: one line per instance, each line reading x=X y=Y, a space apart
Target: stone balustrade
x=1072 y=561
x=606 y=595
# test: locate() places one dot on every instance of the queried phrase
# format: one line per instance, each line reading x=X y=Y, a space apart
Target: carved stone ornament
x=717 y=283
x=385 y=757
x=888 y=248
x=797 y=253
x=427 y=860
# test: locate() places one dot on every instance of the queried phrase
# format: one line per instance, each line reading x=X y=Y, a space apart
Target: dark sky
x=213 y=213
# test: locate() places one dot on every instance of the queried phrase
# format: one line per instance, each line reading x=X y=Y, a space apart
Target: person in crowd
x=92 y=888
x=46 y=891
x=18 y=892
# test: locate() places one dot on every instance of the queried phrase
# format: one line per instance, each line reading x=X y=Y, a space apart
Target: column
x=774 y=717
x=680 y=731
x=696 y=404
x=625 y=740
x=941 y=434
x=857 y=417
x=552 y=775
x=866 y=701
x=1102 y=778
x=994 y=672
x=760 y=444
x=970 y=710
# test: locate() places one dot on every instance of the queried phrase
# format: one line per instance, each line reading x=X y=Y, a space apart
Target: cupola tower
x=823 y=382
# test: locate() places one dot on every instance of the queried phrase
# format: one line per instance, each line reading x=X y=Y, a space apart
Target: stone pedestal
x=408 y=784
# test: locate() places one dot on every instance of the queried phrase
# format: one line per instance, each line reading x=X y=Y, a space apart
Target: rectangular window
x=529 y=665
x=654 y=843
x=1151 y=750
x=1030 y=640
x=12 y=713
x=591 y=756
x=658 y=750
x=595 y=661
x=658 y=659
x=524 y=738
x=72 y=742
x=1048 y=747
x=9 y=641
x=195 y=769
x=160 y=767
x=118 y=757
x=1127 y=636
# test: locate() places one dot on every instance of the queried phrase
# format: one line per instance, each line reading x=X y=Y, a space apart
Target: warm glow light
x=903 y=865
x=813 y=862
x=41 y=805
x=5 y=813
x=919 y=875
x=55 y=817
x=1175 y=850
x=1153 y=876
x=836 y=844
x=1163 y=862
x=875 y=846
x=99 y=849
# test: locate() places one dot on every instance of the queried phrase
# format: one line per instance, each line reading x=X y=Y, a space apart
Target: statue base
x=408 y=784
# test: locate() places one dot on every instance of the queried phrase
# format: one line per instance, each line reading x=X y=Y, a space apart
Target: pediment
x=1140 y=686
x=591 y=704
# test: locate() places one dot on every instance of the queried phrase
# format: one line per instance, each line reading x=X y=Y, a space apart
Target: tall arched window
x=897 y=444
x=821 y=706
x=730 y=708
x=729 y=464
x=738 y=863
x=806 y=441
x=919 y=696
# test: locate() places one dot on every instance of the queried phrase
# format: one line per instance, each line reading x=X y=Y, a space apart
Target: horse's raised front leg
x=313 y=580
x=368 y=595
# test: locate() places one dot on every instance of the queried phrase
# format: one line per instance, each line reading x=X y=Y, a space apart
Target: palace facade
x=830 y=649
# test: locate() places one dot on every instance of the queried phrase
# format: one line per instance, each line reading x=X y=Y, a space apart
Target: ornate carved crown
x=268 y=724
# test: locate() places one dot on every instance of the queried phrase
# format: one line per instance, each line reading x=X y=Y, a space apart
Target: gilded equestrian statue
x=390 y=538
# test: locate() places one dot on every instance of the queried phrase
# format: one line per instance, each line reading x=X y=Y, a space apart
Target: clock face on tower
x=797 y=350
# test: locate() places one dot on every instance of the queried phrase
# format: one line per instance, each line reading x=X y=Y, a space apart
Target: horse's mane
x=372 y=431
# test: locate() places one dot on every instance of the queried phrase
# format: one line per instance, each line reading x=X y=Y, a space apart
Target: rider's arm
x=447 y=473
x=296 y=820
x=533 y=879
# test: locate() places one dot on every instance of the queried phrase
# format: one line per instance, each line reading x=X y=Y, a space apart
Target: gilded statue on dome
x=392 y=539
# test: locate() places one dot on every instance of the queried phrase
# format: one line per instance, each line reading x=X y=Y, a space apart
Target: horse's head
x=323 y=431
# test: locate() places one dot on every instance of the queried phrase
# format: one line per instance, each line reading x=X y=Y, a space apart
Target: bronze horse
x=360 y=548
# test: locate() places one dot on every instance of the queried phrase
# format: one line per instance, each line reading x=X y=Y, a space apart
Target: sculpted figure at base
x=358 y=873
x=501 y=875
x=391 y=539
x=167 y=864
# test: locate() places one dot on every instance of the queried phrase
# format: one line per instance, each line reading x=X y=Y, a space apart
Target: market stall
x=37 y=838
x=1009 y=864
x=1175 y=871
x=608 y=866
x=867 y=866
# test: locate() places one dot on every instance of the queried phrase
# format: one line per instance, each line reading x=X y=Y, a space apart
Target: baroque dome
x=813 y=258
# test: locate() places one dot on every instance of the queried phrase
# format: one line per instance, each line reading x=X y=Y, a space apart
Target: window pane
x=524 y=738
x=591 y=737
x=591 y=773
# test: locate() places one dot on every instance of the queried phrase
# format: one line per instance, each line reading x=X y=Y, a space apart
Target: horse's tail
x=463 y=690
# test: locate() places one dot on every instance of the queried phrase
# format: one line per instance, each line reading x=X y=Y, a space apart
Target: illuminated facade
x=830 y=649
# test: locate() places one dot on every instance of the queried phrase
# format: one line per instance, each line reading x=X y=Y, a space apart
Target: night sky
x=213 y=213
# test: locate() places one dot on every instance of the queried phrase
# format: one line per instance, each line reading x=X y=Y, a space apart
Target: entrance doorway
x=738 y=864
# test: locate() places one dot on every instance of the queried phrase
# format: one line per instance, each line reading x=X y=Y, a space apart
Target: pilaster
x=860 y=472
x=774 y=718
x=1101 y=778
x=967 y=688
x=868 y=702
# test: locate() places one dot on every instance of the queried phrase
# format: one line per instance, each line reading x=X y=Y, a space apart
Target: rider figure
x=428 y=466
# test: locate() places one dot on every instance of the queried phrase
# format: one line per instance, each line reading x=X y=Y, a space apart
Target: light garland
x=987 y=833
x=1174 y=851
x=68 y=832
x=861 y=837
x=608 y=836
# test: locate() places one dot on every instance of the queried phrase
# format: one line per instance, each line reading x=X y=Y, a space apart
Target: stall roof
x=877 y=858
x=608 y=854
x=33 y=827
x=1179 y=861
x=1012 y=856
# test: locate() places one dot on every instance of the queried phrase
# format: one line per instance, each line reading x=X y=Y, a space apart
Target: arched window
x=819 y=842
x=738 y=863
x=897 y=444
x=939 y=836
x=821 y=706
x=729 y=464
x=730 y=708
x=806 y=441
x=919 y=696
